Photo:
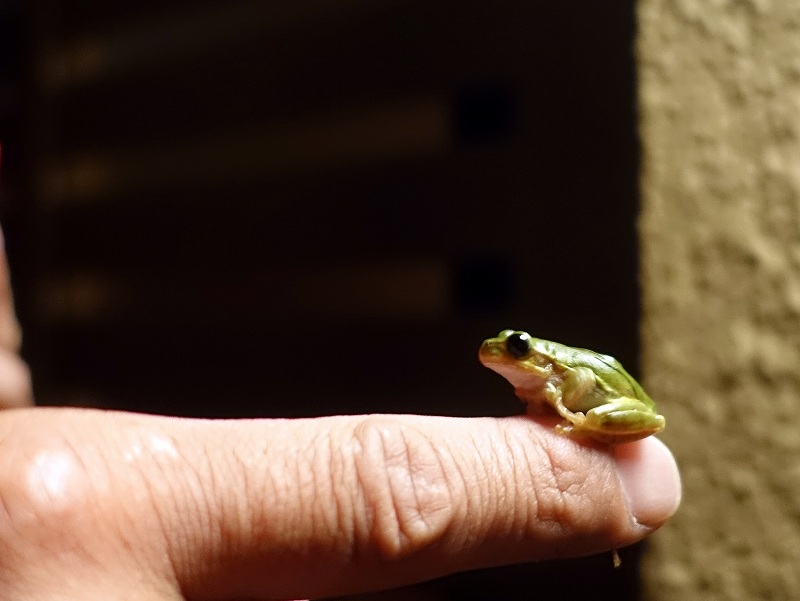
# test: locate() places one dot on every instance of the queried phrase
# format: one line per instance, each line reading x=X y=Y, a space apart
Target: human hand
x=107 y=505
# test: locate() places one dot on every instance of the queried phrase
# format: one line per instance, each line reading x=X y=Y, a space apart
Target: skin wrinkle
x=210 y=499
x=303 y=470
x=167 y=509
x=561 y=487
x=467 y=505
x=302 y=498
x=98 y=487
x=550 y=506
x=385 y=474
x=288 y=492
x=513 y=495
x=273 y=500
x=439 y=472
x=414 y=482
x=217 y=501
x=163 y=503
x=575 y=505
x=324 y=490
x=566 y=491
x=132 y=539
x=511 y=490
x=457 y=487
x=157 y=511
x=417 y=487
x=244 y=508
x=486 y=484
x=225 y=493
x=338 y=510
x=442 y=467
x=445 y=502
x=534 y=489
x=397 y=523
x=341 y=519
x=533 y=501
x=367 y=483
x=506 y=493
x=312 y=485
x=362 y=513
x=609 y=484
x=489 y=483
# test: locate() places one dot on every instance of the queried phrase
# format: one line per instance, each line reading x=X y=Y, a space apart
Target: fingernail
x=650 y=480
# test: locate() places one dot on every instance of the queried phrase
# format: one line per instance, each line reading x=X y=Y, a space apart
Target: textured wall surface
x=720 y=233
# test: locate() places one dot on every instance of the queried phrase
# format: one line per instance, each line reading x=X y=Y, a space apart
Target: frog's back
x=607 y=367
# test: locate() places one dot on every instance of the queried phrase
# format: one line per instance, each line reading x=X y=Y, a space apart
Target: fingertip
x=650 y=480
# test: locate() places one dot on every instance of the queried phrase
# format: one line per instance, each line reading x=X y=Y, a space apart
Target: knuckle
x=570 y=500
x=43 y=495
x=405 y=485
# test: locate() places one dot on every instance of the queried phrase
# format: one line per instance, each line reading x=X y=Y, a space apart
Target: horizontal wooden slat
x=394 y=131
x=162 y=35
x=364 y=291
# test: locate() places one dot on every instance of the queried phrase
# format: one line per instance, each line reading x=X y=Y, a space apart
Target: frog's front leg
x=555 y=397
x=576 y=384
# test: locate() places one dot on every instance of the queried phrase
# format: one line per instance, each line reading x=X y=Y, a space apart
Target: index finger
x=285 y=509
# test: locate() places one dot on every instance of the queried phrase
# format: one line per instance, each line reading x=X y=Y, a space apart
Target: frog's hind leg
x=622 y=421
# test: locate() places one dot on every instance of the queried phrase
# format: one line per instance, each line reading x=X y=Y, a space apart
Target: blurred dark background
x=320 y=206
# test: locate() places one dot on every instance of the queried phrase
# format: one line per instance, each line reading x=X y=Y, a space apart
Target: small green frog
x=592 y=392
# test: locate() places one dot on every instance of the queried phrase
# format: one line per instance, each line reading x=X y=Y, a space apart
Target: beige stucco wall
x=720 y=236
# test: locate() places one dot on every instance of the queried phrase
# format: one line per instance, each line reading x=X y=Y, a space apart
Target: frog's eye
x=518 y=344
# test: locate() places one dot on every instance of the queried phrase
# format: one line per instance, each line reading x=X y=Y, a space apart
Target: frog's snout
x=490 y=352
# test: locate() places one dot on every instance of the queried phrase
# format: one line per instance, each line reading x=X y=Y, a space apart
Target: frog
x=592 y=392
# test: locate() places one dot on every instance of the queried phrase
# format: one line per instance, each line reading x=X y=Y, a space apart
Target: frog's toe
x=567 y=428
